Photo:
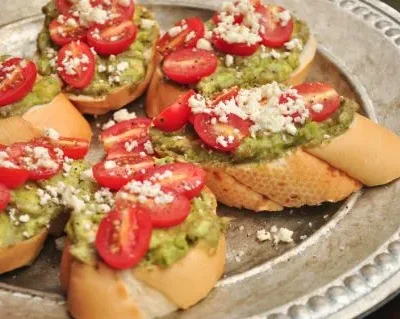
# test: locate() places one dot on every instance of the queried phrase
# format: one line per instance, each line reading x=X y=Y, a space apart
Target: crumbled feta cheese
x=146 y=189
x=102 y=68
x=109 y=124
x=284 y=17
x=149 y=147
x=130 y=145
x=263 y=235
x=317 y=107
x=174 y=31
x=229 y=60
x=294 y=44
x=110 y=165
x=24 y=218
x=123 y=115
x=51 y=133
x=203 y=44
x=147 y=24
x=124 y=3
x=190 y=36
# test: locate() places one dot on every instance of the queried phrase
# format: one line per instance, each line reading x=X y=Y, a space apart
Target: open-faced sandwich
x=35 y=182
x=272 y=147
x=103 y=50
x=157 y=245
x=245 y=44
x=29 y=104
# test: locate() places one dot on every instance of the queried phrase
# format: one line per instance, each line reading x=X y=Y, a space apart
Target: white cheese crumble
x=275 y=235
x=87 y=175
x=203 y=44
x=108 y=124
x=147 y=190
x=110 y=165
x=147 y=24
x=229 y=60
x=190 y=36
x=174 y=31
x=294 y=44
x=130 y=145
x=317 y=107
x=124 y=3
x=123 y=115
x=284 y=17
x=51 y=133
x=148 y=146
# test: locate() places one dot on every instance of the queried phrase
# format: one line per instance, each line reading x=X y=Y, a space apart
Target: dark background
x=392 y=309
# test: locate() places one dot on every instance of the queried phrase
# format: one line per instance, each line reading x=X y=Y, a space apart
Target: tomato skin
x=209 y=133
x=319 y=93
x=84 y=73
x=239 y=49
x=131 y=130
x=75 y=148
x=162 y=215
x=225 y=96
x=63 y=6
x=123 y=237
x=168 y=44
x=273 y=35
x=101 y=41
x=119 y=150
x=71 y=33
x=20 y=83
x=125 y=12
x=189 y=66
x=175 y=116
x=187 y=179
x=216 y=18
x=127 y=168
x=13 y=177
x=5 y=196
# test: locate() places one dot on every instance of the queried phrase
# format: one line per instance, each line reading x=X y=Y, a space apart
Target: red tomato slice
x=223 y=137
x=114 y=38
x=13 y=177
x=163 y=215
x=225 y=95
x=273 y=34
x=193 y=26
x=123 y=237
x=63 y=6
x=65 y=29
x=17 y=78
x=319 y=93
x=119 y=10
x=240 y=49
x=76 y=64
x=120 y=150
x=183 y=178
x=74 y=148
x=132 y=130
x=189 y=66
x=4 y=197
x=118 y=172
x=217 y=19
x=40 y=161
x=175 y=116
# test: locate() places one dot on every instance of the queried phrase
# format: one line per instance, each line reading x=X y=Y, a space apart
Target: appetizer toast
x=104 y=51
x=245 y=44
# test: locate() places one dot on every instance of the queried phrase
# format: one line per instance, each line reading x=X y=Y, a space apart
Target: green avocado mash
x=186 y=145
x=110 y=73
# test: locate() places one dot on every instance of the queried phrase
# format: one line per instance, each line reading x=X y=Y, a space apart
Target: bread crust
x=372 y=152
x=119 y=97
x=60 y=115
x=162 y=93
x=22 y=253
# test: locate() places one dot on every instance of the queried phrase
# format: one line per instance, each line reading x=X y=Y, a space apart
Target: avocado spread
x=44 y=91
x=186 y=145
x=110 y=74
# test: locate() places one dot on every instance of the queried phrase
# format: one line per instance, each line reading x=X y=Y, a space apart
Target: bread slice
x=101 y=292
x=15 y=129
x=22 y=253
x=121 y=96
x=162 y=93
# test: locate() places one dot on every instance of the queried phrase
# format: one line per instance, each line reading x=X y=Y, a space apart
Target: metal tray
x=350 y=261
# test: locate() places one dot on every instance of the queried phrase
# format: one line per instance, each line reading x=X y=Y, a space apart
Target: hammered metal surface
x=353 y=248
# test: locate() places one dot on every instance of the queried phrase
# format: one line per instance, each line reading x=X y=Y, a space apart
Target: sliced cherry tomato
x=4 y=197
x=40 y=161
x=118 y=172
x=226 y=95
x=13 y=177
x=76 y=64
x=240 y=49
x=319 y=93
x=17 y=78
x=122 y=150
x=189 y=66
x=221 y=136
x=114 y=38
x=216 y=18
x=183 y=178
x=65 y=29
x=273 y=33
x=118 y=9
x=63 y=6
x=74 y=148
x=163 y=214
x=132 y=130
x=192 y=30
x=123 y=237
x=175 y=116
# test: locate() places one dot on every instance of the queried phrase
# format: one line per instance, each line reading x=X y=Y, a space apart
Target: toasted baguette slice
x=101 y=292
x=162 y=93
x=15 y=129
x=60 y=115
x=120 y=96
x=22 y=253
x=368 y=152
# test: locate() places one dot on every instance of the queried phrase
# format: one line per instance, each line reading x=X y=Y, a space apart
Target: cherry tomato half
x=225 y=96
x=65 y=29
x=131 y=130
x=63 y=6
x=189 y=66
x=118 y=172
x=273 y=33
x=74 y=148
x=17 y=78
x=175 y=116
x=240 y=49
x=123 y=237
x=114 y=38
x=163 y=214
x=13 y=177
x=319 y=93
x=223 y=137
x=192 y=30
x=120 y=9
x=122 y=150
x=76 y=64
x=183 y=178
x=4 y=197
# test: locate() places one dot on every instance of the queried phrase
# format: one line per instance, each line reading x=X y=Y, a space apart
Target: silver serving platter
x=349 y=263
